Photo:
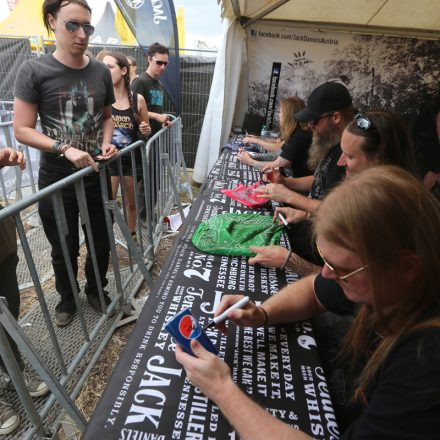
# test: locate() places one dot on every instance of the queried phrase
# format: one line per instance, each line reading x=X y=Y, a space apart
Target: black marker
x=224 y=316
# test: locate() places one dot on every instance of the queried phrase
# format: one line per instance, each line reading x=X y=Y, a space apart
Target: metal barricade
x=163 y=164
x=13 y=180
x=64 y=357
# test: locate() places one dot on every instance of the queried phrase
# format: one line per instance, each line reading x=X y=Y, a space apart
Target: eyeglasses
x=325 y=115
x=362 y=121
x=73 y=26
x=341 y=277
x=160 y=63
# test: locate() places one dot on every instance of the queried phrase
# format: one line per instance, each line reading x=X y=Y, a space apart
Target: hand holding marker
x=224 y=316
x=282 y=218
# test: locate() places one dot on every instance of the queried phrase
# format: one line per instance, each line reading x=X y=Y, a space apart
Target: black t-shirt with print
x=70 y=104
x=404 y=400
x=295 y=150
x=153 y=92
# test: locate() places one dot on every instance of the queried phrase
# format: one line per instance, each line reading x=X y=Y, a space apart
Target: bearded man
x=329 y=110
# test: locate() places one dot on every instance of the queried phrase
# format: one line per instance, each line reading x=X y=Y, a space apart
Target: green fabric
x=233 y=234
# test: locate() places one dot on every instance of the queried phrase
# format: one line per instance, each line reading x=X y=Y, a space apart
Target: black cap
x=327 y=97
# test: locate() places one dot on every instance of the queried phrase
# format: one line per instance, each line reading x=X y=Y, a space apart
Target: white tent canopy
x=419 y=18
x=228 y=98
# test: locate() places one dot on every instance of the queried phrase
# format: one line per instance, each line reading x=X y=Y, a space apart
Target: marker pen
x=224 y=316
x=283 y=219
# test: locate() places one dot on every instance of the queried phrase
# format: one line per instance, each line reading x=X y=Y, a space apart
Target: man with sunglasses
x=72 y=94
x=149 y=86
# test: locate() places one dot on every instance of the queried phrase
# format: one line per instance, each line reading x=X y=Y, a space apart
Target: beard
x=321 y=144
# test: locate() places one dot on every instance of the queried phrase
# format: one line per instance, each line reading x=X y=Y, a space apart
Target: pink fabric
x=246 y=195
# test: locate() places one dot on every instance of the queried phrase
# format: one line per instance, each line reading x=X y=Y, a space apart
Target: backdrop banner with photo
x=391 y=73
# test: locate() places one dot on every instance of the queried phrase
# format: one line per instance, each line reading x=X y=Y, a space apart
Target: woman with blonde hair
x=378 y=234
x=294 y=142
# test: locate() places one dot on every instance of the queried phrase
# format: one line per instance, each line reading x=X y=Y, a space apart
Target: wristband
x=286 y=260
x=266 y=318
x=56 y=147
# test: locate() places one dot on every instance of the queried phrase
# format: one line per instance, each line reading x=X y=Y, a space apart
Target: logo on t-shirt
x=156 y=97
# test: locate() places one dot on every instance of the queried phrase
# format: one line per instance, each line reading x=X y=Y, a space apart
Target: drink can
x=184 y=327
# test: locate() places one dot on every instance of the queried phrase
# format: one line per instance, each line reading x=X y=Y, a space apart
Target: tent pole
x=245 y=22
x=236 y=8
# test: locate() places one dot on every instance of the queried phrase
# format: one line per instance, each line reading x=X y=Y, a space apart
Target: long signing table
x=148 y=395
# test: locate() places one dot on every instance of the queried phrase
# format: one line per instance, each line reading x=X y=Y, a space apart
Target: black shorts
x=126 y=165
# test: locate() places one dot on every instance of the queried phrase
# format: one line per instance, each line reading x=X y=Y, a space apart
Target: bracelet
x=266 y=318
x=286 y=260
x=64 y=148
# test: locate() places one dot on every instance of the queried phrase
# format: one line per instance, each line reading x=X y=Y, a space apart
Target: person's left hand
x=274 y=191
x=11 y=157
x=206 y=371
x=269 y=256
x=144 y=128
x=108 y=151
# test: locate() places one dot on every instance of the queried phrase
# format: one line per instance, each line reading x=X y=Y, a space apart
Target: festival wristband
x=56 y=147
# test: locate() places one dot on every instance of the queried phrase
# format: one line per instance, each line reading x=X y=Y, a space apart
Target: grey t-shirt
x=70 y=103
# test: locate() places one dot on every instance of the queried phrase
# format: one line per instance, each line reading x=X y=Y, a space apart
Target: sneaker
x=34 y=384
x=95 y=302
x=63 y=317
x=9 y=419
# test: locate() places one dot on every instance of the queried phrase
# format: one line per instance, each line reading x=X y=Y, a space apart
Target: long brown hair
x=121 y=61
x=387 y=140
x=383 y=215
x=289 y=106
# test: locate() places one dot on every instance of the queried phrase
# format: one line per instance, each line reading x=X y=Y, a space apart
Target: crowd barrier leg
x=134 y=249
x=39 y=291
x=174 y=185
x=10 y=324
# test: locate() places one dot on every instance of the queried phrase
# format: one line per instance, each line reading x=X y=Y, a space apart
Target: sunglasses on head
x=73 y=26
x=362 y=121
x=160 y=63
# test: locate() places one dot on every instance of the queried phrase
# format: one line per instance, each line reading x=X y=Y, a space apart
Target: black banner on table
x=228 y=167
x=273 y=91
x=148 y=395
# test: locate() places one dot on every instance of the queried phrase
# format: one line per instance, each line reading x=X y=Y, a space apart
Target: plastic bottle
x=263 y=131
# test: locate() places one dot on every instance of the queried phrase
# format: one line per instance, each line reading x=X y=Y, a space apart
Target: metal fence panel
x=64 y=356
